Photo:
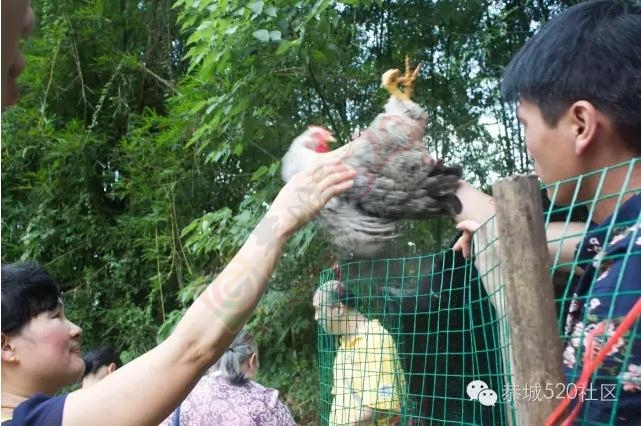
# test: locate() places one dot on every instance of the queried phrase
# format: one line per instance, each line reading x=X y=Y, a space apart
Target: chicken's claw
x=409 y=79
x=392 y=79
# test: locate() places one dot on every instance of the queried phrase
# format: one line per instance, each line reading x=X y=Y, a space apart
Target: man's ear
x=8 y=354
x=584 y=122
x=111 y=368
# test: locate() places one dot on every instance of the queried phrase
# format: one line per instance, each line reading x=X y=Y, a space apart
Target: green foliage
x=84 y=187
x=148 y=142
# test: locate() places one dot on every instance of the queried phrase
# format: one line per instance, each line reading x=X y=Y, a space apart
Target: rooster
x=397 y=178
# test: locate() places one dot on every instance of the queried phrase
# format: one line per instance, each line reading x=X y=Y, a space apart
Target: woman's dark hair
x=589 y=52
x=240 y=350
x=27 y=291
x=100 y=357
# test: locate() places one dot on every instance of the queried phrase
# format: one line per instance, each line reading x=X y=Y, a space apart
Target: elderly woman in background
x=227 y=394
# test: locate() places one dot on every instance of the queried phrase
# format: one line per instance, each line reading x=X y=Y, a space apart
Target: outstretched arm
x=145 y=391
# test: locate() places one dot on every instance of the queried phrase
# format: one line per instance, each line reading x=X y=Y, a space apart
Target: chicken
x=397 y=178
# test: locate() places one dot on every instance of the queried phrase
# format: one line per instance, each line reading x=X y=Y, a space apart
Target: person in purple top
x=578 y=85
x=227 y=394
x=40 y=347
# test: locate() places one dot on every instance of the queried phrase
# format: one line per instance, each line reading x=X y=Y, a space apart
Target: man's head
x=17 y=22
x=579 y=87
x=40 y=347
x=99 y=363
x=333 y=306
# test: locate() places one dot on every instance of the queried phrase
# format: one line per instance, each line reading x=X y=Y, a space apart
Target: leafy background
x=148 y=144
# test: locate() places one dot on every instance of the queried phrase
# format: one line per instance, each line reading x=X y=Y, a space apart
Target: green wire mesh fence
x=447 y=317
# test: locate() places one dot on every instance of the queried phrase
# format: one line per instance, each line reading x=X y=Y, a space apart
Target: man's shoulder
x=627 y=214
x=612 y=238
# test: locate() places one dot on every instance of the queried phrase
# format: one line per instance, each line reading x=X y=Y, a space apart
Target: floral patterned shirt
x=216 y=401
x=610 y=255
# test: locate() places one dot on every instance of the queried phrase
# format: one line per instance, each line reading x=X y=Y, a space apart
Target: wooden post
x=525 y=267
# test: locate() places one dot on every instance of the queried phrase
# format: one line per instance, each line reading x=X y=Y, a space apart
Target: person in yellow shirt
x=368 y=379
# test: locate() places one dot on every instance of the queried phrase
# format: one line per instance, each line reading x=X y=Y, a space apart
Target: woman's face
x=47 y=351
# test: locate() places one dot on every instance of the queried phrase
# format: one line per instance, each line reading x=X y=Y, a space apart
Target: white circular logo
x=487 y=397
x=475 y=387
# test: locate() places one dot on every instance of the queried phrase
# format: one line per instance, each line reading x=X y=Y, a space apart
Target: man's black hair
x=27 y=290
x=592 y=52
x=99 y=357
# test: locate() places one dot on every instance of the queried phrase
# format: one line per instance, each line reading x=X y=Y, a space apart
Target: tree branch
x=167 y=83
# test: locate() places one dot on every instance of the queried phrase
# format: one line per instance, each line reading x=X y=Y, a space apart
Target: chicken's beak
x=331 y=140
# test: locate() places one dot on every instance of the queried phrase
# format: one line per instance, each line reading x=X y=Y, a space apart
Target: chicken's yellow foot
x=392 y=79
x=390 y=82
x=409 y=79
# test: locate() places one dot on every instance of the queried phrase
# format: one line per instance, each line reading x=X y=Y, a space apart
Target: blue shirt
x=610 y=256
x=39 y=410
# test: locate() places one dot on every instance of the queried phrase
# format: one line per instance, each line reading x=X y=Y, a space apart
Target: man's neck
x=618 y=180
